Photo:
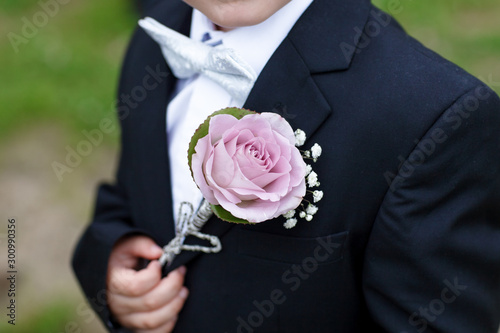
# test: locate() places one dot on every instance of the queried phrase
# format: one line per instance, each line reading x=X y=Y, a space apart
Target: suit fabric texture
x=407 y=236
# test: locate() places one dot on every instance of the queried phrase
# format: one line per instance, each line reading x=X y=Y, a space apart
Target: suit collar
x=316 y=44
x=327 y=25
x=330 y=27
x=285 y=86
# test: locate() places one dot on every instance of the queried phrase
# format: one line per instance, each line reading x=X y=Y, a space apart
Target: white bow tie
x=187 y=57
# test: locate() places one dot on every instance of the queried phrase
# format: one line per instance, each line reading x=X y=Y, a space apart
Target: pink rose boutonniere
x=249 y=169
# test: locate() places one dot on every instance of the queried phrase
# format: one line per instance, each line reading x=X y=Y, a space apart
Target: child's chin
x=230 y=14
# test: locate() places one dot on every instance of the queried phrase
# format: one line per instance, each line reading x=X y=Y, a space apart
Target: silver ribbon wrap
x=189 y=223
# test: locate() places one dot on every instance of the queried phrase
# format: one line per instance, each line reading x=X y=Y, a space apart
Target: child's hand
x=142 y=300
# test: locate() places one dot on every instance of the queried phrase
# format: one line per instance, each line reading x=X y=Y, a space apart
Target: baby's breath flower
x=311 y=209
x=300 y=137
x=289 y=214
x=316 y=151
x=308 y=169
x=312 y=179
x=290 y=223
x=317 y=196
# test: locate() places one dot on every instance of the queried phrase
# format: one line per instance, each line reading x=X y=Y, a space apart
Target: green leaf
x=202 y=131
x=227 y=216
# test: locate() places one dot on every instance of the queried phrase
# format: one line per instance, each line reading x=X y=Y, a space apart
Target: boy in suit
x=407 y=237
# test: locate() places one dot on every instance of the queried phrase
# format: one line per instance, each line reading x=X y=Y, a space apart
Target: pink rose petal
x=280 y=125
x=255 y=211
x=202 y=149
x=219 y=124
x=293 y=198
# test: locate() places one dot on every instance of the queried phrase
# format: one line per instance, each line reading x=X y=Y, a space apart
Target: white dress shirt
x=198 y=97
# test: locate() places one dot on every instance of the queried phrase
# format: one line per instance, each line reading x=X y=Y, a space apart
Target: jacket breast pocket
x=289 y=250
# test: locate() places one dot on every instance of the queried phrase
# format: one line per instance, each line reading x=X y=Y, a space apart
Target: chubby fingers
x=155 y=298
x=131 y=283
x=153 y=320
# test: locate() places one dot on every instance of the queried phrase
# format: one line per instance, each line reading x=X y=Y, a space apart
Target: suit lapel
x=287 y=86
x=154 y=179
x=317 y=44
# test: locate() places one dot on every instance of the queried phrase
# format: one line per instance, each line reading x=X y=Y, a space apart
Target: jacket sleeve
x=432 y=262
x=111 y=221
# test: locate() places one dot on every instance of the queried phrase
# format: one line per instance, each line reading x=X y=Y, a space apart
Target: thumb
x=141 y=247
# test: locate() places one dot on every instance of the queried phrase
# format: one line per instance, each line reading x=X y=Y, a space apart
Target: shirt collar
x=255 y=44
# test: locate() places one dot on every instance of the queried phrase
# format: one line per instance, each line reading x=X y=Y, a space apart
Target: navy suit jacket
x=407 y=237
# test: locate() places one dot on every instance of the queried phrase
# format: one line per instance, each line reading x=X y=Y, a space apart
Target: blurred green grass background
x=63 y=81
x=67 y=73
